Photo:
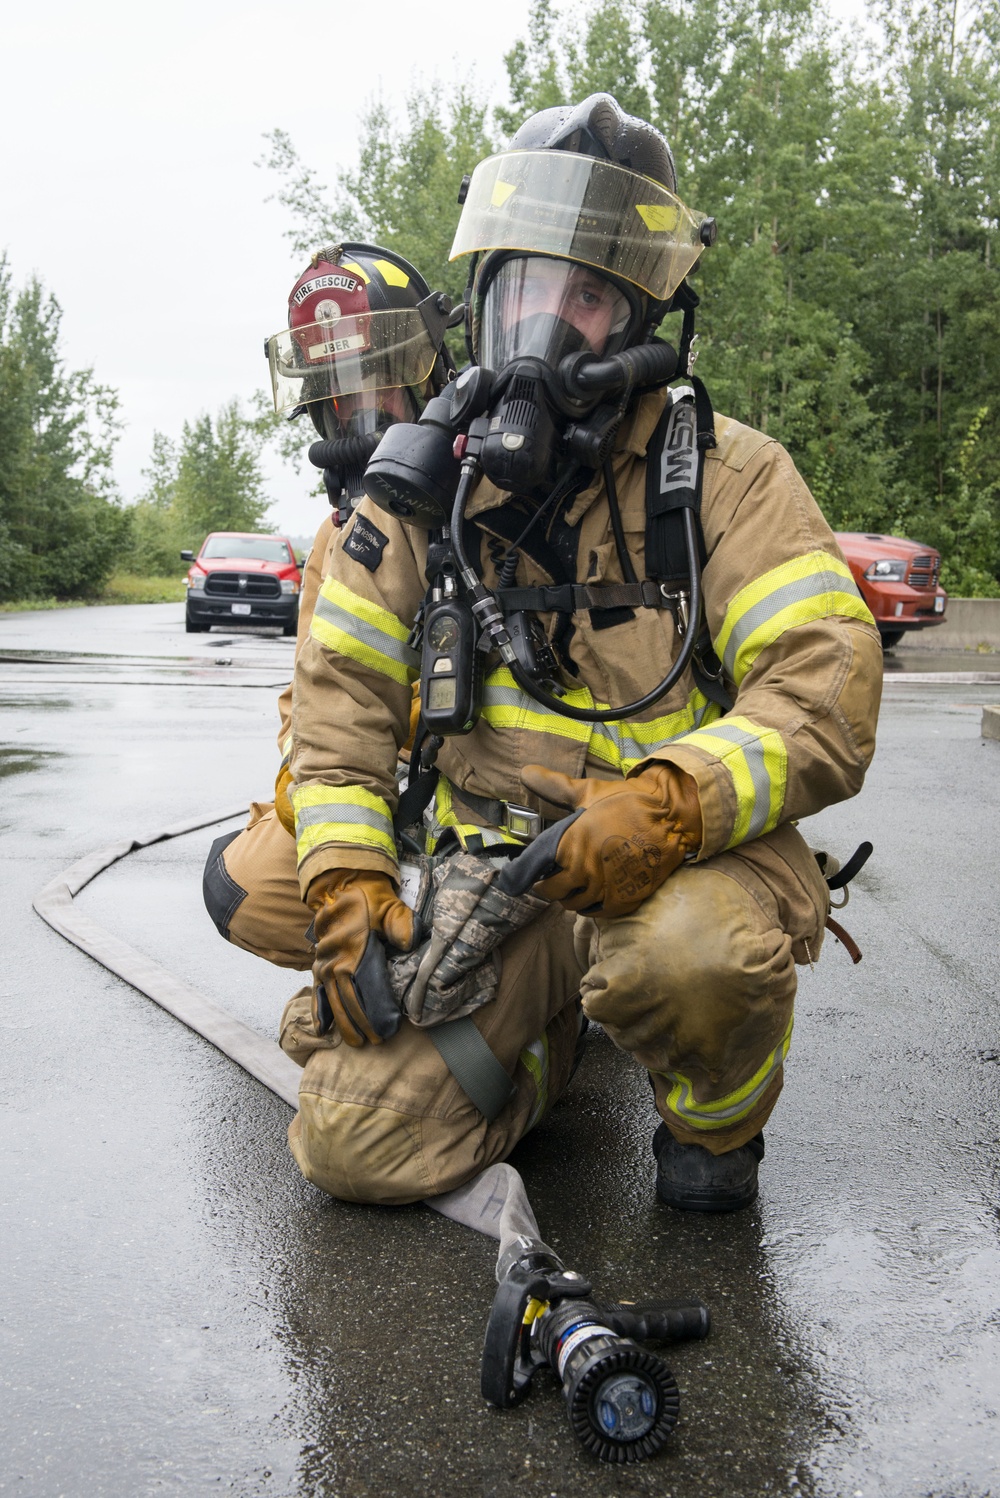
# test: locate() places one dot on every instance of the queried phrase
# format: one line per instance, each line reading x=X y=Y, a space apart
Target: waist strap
x=520 y=821
x=473 y=1065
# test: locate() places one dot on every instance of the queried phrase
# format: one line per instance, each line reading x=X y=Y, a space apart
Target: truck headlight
x=289 y=585
x=196 y=582
x=887 y=571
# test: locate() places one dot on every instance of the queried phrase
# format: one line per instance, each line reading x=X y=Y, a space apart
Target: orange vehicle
x=898 y=581
x=242 y=578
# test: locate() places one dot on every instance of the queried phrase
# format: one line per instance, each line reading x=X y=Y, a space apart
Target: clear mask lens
x=543 y=308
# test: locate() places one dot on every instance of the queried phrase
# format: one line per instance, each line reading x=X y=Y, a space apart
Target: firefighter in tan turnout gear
x=363 y=350
x=678 y=900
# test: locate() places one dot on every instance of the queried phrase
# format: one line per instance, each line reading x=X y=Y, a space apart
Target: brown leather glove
x=631 y=837
x=353 y=908
x=282 y=802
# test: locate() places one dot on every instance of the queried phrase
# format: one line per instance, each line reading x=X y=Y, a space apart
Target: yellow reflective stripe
x=354 y=626
x=621 y=744
x=341 y=814
x=445 y=817
x=535 y=1059
x=810 y=587
x=735 y=1105
x=757 y=760
x=626 y=744
x=506 y=706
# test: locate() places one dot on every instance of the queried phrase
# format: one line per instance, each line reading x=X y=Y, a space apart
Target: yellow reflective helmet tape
x=810 y=587
x=353 y=266
x=535 y=1060
x=736 y=1105
x=341 y=814
x=757 y=760
x=659 y=218
x=392 y=275
x=353 y=626
x=506 y=706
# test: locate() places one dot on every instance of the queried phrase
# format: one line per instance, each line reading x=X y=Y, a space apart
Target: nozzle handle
x=658 y=1320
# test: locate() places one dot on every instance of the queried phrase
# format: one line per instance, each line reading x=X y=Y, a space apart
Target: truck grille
x=239 y=585
x=924 y=572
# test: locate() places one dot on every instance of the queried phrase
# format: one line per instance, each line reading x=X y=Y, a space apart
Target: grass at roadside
x=121 y=587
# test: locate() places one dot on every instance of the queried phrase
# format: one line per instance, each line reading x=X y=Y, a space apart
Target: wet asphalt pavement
x=182 y=1312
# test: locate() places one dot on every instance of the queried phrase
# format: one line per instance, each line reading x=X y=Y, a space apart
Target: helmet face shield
x=343 y=354
x=543 y=308
x=553 y=202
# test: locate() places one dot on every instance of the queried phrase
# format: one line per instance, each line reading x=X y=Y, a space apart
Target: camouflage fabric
x=457 y=969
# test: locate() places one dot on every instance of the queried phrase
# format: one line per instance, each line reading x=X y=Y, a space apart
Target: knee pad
x=222 y=895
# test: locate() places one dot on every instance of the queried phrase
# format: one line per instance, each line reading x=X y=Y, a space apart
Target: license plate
x=939 y=605
x=242 y=608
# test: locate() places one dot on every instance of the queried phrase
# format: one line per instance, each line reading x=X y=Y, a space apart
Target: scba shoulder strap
x=675 y=462
x=675 y=472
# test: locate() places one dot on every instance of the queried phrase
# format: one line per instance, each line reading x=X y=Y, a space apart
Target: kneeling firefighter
x=642 y=657
x=363 y=351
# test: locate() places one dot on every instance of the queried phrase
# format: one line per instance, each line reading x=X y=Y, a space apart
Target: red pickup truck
x=898 y=581
x=242 y=578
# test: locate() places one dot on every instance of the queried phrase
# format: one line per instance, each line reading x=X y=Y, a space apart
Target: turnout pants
x=698 y=985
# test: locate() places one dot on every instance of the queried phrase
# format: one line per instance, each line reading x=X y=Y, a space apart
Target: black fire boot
x=691 y=1177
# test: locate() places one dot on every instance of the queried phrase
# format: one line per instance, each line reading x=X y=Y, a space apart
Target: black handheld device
x=451 y=668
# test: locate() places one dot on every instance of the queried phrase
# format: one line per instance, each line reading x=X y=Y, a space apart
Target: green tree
x=403 y=191
x=61 y=528
x=210 y=480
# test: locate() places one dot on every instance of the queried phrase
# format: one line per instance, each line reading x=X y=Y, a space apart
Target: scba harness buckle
x=521 y=822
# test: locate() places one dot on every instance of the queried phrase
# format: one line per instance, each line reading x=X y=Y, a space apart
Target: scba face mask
x=353 y=426
x=533 y=313
x=541 y=308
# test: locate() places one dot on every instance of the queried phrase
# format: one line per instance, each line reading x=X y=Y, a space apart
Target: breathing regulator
x=579 y=246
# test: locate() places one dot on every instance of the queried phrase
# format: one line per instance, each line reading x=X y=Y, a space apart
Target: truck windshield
x=246 y=548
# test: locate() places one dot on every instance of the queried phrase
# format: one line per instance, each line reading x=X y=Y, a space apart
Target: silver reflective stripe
x=367 y=634
x=340 y=811
x=753 y=751
x=784 y=597
x=627 y=747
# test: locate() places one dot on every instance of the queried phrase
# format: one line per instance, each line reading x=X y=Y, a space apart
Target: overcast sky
x=127 y=176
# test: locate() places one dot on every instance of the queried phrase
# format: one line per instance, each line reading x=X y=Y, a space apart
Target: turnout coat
x=801 y=659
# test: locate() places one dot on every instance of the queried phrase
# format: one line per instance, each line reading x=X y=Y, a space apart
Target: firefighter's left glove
x=630 y=838
x=282 y=800
x=354 y=908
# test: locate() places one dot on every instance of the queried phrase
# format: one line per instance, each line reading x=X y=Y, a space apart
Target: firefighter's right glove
x=629 y=838
x=282 y=800
x=354 y=908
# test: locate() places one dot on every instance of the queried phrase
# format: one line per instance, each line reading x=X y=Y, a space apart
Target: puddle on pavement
x=36 y=704
x=17 y=761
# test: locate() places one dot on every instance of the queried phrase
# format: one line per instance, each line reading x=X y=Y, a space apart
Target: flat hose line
x=494 y=1202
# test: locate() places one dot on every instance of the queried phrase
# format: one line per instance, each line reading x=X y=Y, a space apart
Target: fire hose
x=622 y=1400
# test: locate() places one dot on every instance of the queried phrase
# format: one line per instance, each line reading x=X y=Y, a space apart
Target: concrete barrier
x=991 y=723
x=970 y=624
